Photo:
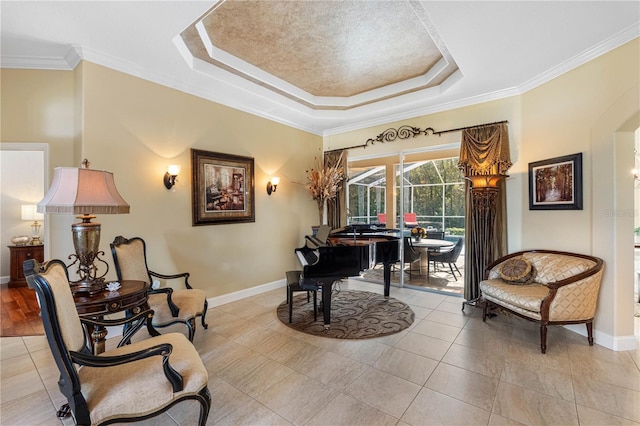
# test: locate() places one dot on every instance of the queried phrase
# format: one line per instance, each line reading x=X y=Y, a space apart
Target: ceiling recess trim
x=201 y=53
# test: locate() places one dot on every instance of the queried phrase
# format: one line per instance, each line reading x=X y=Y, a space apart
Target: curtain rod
x=406 y=132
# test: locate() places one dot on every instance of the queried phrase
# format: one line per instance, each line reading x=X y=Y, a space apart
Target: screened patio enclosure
x=433 y=189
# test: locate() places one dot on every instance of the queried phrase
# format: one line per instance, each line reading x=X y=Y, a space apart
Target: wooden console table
x=131 y=297
x=17 y=256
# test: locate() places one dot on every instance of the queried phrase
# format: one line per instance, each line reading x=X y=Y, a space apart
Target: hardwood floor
x=19 y=312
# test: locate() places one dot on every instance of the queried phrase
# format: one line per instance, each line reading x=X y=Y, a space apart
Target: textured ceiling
x=323 y=66
x=326 y=49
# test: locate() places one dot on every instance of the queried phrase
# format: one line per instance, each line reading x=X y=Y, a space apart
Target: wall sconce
x=171 y=175
x=272 y=184
x=485 y=181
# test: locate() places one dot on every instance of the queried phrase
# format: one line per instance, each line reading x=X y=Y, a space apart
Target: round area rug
x=354 y=315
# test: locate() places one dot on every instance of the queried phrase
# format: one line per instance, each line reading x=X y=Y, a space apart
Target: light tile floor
x=448 y=368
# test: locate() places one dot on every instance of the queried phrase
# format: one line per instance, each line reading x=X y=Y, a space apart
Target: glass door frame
x=440 y=151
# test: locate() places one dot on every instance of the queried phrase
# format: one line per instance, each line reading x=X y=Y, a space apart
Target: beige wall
x=135 y=129
x=36 y=108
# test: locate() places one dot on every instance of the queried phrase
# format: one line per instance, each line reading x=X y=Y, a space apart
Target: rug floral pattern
x=354 y=315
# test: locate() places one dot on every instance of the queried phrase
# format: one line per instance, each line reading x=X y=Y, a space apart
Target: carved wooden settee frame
x=564 y=290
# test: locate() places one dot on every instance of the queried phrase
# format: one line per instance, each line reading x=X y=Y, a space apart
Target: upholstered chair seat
x=170 y=305
x=132 y=382
x=191 y=304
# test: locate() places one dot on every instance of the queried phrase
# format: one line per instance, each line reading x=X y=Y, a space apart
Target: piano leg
x=326 y=303
x=387 y=279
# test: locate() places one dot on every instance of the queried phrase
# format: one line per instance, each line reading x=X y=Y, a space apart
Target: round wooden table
x=426 y=244
x=131 y=297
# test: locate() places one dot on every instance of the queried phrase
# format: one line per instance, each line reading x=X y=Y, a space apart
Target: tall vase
x=325 y=213
x=322 y=212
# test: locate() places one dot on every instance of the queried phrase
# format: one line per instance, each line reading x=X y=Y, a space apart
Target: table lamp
x=29 y=212
x=85 y=192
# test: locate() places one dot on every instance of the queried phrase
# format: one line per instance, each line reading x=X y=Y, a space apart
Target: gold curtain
x=334 y=207
x=484 y=151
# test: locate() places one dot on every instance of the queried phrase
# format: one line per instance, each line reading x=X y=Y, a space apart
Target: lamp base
x=36 y=241
x=86 y=240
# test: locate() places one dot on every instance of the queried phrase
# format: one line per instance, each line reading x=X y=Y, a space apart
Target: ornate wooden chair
x=132 y=382
x=170 y=306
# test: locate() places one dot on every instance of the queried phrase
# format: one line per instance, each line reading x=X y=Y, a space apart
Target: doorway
x=24 y=178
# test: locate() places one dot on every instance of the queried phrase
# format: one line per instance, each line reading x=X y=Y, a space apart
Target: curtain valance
x=485 y=150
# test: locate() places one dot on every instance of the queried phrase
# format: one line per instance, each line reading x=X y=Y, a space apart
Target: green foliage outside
x=456 y=231
x=434 y=190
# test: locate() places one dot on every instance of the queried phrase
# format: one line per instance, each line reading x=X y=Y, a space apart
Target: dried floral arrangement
x=323 y=182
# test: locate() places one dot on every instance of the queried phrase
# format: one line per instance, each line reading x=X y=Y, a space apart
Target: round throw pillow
x=516 y=271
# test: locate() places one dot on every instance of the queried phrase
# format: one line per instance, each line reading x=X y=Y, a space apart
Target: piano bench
x=293 y=284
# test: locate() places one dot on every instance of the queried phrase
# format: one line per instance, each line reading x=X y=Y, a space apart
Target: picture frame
x=223 y=188
x=556 y=183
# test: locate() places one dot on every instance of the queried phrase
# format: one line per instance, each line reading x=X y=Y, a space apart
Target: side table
x=17 y=256
x=131 y=297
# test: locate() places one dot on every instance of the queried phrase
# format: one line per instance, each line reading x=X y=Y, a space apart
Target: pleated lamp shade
x=82 y=191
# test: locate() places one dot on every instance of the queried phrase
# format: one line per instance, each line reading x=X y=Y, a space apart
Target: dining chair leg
x=452 y=273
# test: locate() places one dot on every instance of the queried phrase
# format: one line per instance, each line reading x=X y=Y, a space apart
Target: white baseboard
x=620 y=343
x=223 y=300
x=247 y=292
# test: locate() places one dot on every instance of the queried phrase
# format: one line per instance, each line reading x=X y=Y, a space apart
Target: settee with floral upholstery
x=545 y=286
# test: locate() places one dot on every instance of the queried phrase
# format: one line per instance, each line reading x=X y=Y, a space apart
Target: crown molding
x=600 y=49
x=36 y=62
x=417 y=112
x=232 y=90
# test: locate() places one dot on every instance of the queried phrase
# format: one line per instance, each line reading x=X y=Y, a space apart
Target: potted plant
x=636 y=233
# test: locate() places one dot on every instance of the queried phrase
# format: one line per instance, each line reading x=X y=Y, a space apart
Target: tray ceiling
x=356 y=56
x=323 y=66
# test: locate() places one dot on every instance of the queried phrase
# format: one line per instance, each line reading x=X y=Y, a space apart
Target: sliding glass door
x=434 y=191
x=429 y=185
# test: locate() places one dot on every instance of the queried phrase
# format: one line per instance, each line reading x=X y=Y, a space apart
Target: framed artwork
x=556 y=183
x=223 y=189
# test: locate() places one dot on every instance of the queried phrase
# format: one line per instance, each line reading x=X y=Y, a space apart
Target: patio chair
x=410 y=220
x=411 y=255
x=450 y=257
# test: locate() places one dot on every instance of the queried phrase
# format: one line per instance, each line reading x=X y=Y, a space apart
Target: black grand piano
x=350 y=251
